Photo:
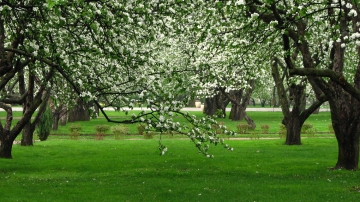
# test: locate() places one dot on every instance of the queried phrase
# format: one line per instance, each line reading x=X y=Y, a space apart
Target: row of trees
x=162 y=52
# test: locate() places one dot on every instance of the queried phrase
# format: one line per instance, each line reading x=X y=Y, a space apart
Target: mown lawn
x=320 y=121
x=132 y=170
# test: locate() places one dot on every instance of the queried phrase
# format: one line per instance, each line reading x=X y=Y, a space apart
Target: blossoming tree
x=326 y=34
x=110 y=49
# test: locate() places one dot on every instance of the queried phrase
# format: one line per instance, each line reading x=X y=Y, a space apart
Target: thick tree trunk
x=348 y=156
x=6 y=144
x=27 y=135
x=6 y=148
x=236 y=113
x=293 y=128
x=345 y=116
x=212 y=105
x=80 y=112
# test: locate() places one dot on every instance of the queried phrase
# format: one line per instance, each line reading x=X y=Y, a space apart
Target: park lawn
x=132 y=170
x=320 y=121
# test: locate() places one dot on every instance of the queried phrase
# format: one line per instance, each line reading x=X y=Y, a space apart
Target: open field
x=126 y=170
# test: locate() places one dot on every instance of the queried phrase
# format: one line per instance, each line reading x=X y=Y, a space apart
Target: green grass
x=273 y=119
x=126 y=170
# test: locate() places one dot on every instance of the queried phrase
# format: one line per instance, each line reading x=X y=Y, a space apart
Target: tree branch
x=333 y=76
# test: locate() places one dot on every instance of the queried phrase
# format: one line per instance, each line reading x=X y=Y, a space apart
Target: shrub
x=306 y=126
x=311 y=132
x=219 y=113
x=255 y=134
x=100 y=131
x=119 y=131
x=148 y=135
x=74 y=131
x=309 y=129
x=282 y=131
x=44 y=127
x=217 y=128
x=242 y=128
x=141 y=128
x=264 y=128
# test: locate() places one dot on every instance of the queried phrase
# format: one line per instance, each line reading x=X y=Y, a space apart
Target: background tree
x=326 y=34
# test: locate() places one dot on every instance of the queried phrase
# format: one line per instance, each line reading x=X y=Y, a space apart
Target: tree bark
x=63 y=118
x=345 y=118
x=56 y=118
x=80 y=112
x=217 y=102
x=6 y=145
x=237 y=111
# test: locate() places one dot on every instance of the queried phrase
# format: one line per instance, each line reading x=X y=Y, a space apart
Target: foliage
x=282 y=131
x=44 y=127
x=264 y=128
x=141 y=128
x=217 y=128
x=119 y=131
x=255 y=134
x=219 y=113
x=150 y=135
x=74 y=131
x=100 y=131
x=242 y=128
x=309 y=129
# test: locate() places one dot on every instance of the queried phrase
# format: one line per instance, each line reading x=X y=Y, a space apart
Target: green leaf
x=51 y=3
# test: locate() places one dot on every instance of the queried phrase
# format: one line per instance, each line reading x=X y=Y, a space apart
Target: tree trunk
x=236 y=113
x=6 y=148
x=6 y=144
x=80 y=112
x=263 y=102
x=293 y=128
x=345 y=116
x=210 y=106
x=27 y=135
x=56 y=118
x=63 y=119
x=348 y=156
x=294 y=119
x=217 y=102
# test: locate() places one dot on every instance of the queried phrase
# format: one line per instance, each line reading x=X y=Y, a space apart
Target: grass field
x=320 y=121
x=127 y=170
x=131 y=169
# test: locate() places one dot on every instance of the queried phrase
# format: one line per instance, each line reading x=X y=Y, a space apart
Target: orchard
x=165 y=54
